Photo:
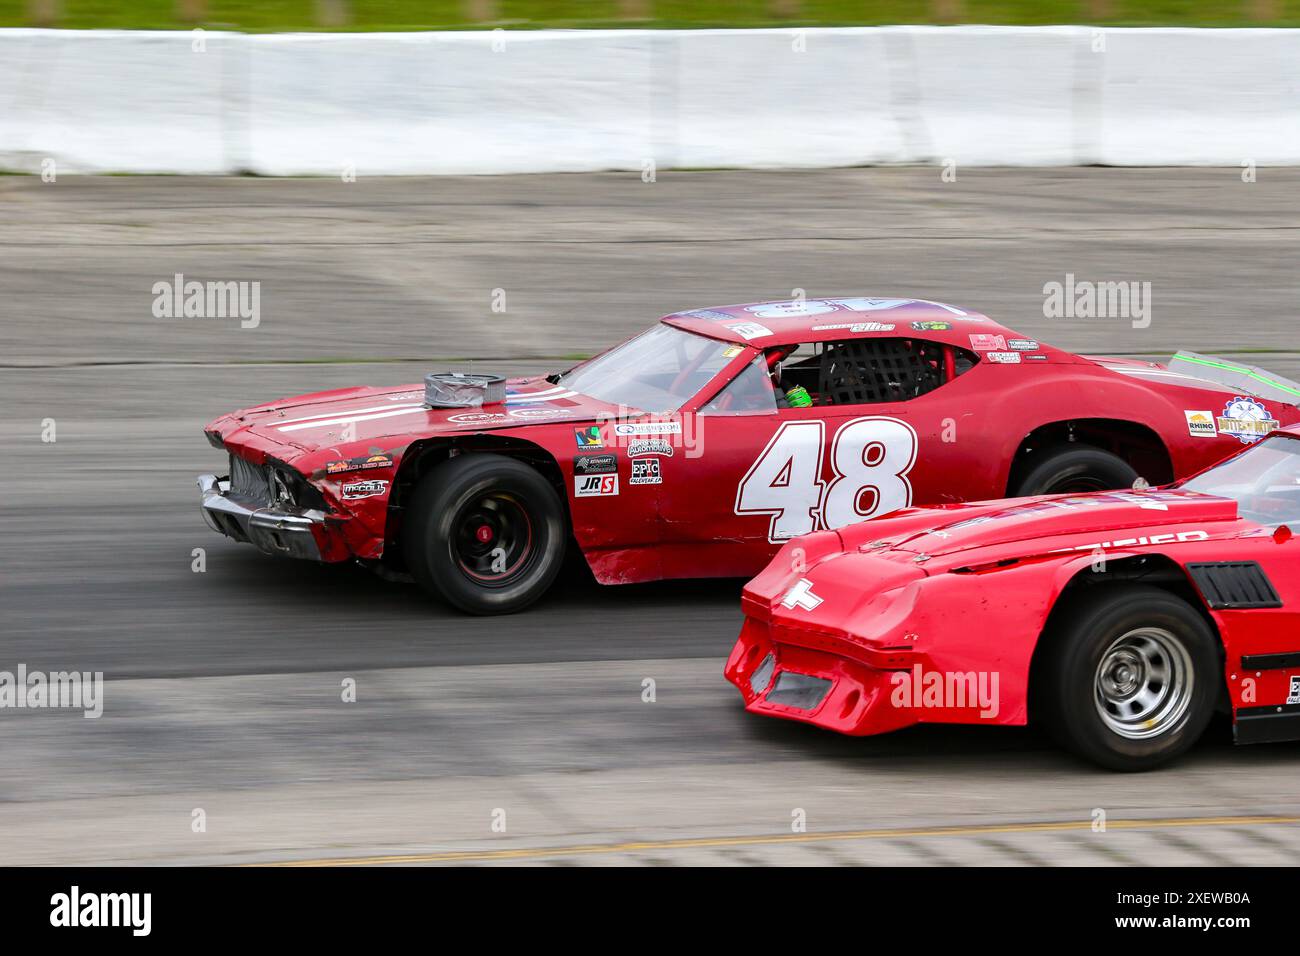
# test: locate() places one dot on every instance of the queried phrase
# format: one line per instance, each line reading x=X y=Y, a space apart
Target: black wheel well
x=424 y=455
x=1137 y=444
x=1154 y=570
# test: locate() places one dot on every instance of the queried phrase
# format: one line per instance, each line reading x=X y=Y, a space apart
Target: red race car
x=1120 y=620
x=697 y=447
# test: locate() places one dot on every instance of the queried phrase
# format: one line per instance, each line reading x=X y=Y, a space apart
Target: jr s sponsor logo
x=595 y=486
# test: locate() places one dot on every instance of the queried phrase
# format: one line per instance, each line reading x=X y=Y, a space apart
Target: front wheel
x=1128 y=679
x=486 y=533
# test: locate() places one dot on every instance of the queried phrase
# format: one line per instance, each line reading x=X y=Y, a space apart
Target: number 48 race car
x=1120 y=620
x=699 y=446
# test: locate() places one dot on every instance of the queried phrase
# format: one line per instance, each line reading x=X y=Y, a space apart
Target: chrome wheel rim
x=1143 y=684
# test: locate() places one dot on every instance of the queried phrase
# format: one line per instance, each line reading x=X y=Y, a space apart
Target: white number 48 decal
x=870 y=457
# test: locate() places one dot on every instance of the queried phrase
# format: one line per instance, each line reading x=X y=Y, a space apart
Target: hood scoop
x=456 y=390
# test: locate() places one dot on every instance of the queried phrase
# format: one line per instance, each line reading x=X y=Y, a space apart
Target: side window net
x=863 y=371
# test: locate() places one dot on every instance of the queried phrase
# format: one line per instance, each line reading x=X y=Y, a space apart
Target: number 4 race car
x=1120 y=620
x=700 y=445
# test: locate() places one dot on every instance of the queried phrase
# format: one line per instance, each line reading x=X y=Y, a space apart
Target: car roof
x=788 y=322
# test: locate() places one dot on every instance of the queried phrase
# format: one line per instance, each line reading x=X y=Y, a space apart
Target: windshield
x=1264 y=481
x=655 y=372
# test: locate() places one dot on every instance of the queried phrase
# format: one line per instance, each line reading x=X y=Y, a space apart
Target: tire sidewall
x=444 y=492
x=1080 y=655
x=1061 y=464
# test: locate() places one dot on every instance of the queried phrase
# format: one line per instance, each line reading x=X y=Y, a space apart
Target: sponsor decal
x=868 y=304
x=476 y=418
x=1293 y=695
x=645 y=471
x=856 y=327
x=801 y=596
x=649 y=446
x=405 y=397
x=364 y=463
x=1201 y=424
x=1003 y=358
x=731 y=351
x=595 y=486
x=1022 y=345
x=588 y=437
x=749 y=330
x=709 y=314
x=790 y=310
x=931 y=326
x=1246 y=419
x=636 y=429
x=364 y=489
x=1157 y=539
x=595 y=464
x=1036 y=358
x=540 y=413
x=988 y=342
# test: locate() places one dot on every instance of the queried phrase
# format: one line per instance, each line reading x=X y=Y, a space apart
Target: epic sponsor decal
x=1022 y=345
x=363 y=463
x=801 y=596
x=594 y=486
x=364 y=489
x=1200 y=424
x=855 y=327
x=988 y=342
x=637 y=429
x=649 y=446
x=749 y=330
x=1293 y=695
x=1003 y=358
x=645 y=471
x=595 y=464
x=588 y=437
x=1246 y=419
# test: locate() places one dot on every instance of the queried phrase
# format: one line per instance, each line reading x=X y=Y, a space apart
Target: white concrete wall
x=493 y=102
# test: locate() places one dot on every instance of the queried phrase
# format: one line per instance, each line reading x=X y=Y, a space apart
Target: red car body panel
x=963 y=435
x=968 y=589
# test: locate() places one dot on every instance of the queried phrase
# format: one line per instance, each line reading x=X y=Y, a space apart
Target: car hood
x=289 y=428
x=963 y=535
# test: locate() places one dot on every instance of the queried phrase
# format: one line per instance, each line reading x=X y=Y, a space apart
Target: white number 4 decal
x=870 y=457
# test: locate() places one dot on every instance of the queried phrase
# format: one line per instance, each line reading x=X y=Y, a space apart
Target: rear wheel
x=1128 y=679
x=486 y=533
x=1074 y=469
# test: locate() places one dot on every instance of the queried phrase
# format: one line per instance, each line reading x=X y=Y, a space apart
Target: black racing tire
x=485 y=533
x=1074 y=469
x=1129 y=678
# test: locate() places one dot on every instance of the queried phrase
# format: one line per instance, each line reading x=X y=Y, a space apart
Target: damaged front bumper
x=287 y=532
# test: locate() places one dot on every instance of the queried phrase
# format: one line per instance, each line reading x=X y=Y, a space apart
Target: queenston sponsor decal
x=364 y=489
x=1246 y=419
x=1200 y=424
x=595 y=464
x=364 y=463
x=595 y=486
x=1003 y=358
x=639 y=429
x=645 y=471
x=649 y=446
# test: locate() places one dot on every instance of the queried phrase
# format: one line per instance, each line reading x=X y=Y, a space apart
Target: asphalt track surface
x=223 y=687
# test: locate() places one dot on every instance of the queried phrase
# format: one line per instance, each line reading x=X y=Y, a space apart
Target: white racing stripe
x=348 y=420
x=527 y=399
x=351 y=411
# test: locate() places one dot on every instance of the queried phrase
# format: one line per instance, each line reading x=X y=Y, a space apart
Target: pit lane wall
x=555 y=101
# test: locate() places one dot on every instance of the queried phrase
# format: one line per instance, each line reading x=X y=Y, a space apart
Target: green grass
x=277 y=15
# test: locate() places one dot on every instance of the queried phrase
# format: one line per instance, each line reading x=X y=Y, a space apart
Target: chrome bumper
x=288 y=533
